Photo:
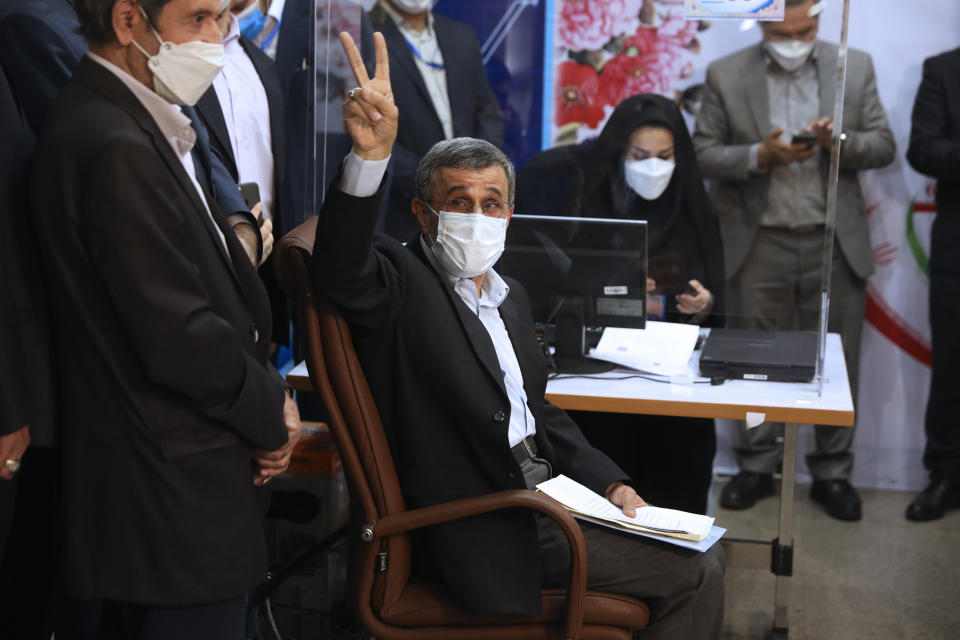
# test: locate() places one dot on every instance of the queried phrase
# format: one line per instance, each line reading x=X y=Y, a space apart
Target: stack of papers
x=685 y=529
x=663 y=348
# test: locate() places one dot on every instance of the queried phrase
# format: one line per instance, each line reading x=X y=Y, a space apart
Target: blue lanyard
x=270 y=37
x=433 y=65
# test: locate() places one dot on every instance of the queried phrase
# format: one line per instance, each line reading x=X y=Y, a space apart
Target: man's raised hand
x=370 y=116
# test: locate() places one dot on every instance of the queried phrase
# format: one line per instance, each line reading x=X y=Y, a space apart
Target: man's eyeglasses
x=490 y=208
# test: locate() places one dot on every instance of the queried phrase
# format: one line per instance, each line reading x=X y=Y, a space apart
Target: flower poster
x=734 y=9
x=605 y=51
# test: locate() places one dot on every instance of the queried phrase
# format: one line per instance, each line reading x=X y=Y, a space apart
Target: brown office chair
x=388 y=599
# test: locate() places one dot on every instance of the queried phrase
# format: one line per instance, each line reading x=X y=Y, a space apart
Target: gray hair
x=96 y=17
x=461 y=153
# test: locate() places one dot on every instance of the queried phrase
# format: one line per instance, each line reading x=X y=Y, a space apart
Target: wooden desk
x=791 y=403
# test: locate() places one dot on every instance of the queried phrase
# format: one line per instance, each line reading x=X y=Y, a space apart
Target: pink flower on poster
x=590 y=24
x=646 y=63
x=615 y=49
x=577 y=93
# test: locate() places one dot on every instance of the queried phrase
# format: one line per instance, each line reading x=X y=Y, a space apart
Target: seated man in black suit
x=441 y=89
x=450 y=353
x=161 y=330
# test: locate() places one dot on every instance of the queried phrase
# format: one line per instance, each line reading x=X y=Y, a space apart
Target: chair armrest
x=517 y=498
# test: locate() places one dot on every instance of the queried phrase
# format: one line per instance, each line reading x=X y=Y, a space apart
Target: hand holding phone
x=808 y=140
x=250 y=192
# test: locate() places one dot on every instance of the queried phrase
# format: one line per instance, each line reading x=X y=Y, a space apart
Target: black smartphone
x=806 y=139
x=250 y=192
x=669 y=272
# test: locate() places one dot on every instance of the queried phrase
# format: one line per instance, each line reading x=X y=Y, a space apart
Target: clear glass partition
x=741 y=196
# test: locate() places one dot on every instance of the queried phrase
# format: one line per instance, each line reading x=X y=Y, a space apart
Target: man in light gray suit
x=770 y=190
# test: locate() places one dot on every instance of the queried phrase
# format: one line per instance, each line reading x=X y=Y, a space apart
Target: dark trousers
x=683 y=588
x=111 y=620
x=669 y=459
x=941 y=455
x=29 y=580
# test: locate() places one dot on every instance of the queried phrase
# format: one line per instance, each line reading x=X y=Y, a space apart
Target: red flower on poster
x=578 y=87
x=590 y=24
x=616 y=49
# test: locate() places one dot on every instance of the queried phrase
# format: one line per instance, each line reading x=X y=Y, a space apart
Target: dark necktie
x=200 y=151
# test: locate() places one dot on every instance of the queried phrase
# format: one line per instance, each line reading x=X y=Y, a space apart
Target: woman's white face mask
x=649 y=178
x=413 y=6
x=468 y=244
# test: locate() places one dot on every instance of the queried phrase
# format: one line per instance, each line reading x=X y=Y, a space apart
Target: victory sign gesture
x=369 y=114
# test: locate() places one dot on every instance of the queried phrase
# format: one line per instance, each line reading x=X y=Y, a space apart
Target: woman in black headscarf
x=643 y=167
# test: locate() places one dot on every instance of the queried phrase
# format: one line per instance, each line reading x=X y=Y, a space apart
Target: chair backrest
x=354 y=422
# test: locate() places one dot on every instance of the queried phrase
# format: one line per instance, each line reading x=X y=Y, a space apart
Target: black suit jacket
x=38 y=52
x=473 y=105
x=160 y=348
x=39 y=49
x=437 y=383
x=935 y=151
x=211 y=113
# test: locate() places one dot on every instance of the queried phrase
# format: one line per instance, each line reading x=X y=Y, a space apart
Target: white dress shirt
x=429 y=59
x=246 y=111
x=174 y=126
x=361 y=178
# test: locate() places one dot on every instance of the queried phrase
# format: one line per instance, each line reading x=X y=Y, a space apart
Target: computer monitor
x=582 y=274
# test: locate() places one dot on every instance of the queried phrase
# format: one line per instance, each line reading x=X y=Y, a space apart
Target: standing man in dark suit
x=160 y=328
x=29 y=467
x=935 y=151
x=770 y=192
x=243 y=111
x=441 y=89
x=38 y=51
x=451 y=355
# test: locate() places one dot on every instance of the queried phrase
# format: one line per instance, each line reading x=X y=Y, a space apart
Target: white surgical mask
x=413 y=6
x=183 y=72
x=790 y=54
x=650 y=177
x=468 y=244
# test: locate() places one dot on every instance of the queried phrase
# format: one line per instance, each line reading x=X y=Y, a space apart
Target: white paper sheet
x=663 y=348
x=715 y=534
x=580 y=499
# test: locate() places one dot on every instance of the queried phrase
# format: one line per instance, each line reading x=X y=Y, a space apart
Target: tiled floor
x=882 y=578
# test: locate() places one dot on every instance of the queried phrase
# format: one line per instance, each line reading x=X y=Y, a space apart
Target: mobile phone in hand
x=250 y=192
x=808 y=140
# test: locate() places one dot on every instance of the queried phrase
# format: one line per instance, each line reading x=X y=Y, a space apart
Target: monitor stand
x=570 y=347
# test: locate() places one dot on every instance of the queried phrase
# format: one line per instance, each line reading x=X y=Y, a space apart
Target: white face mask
x=468 y=244
x=413 y=6
x=183 y=72
x=650 y=177
x=790 y=54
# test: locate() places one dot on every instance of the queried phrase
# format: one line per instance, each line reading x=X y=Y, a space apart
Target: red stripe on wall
x=886 y=322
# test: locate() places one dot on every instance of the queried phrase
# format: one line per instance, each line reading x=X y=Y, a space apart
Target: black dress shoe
x=838 y=498
x=745 y=488
x=933 y=501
